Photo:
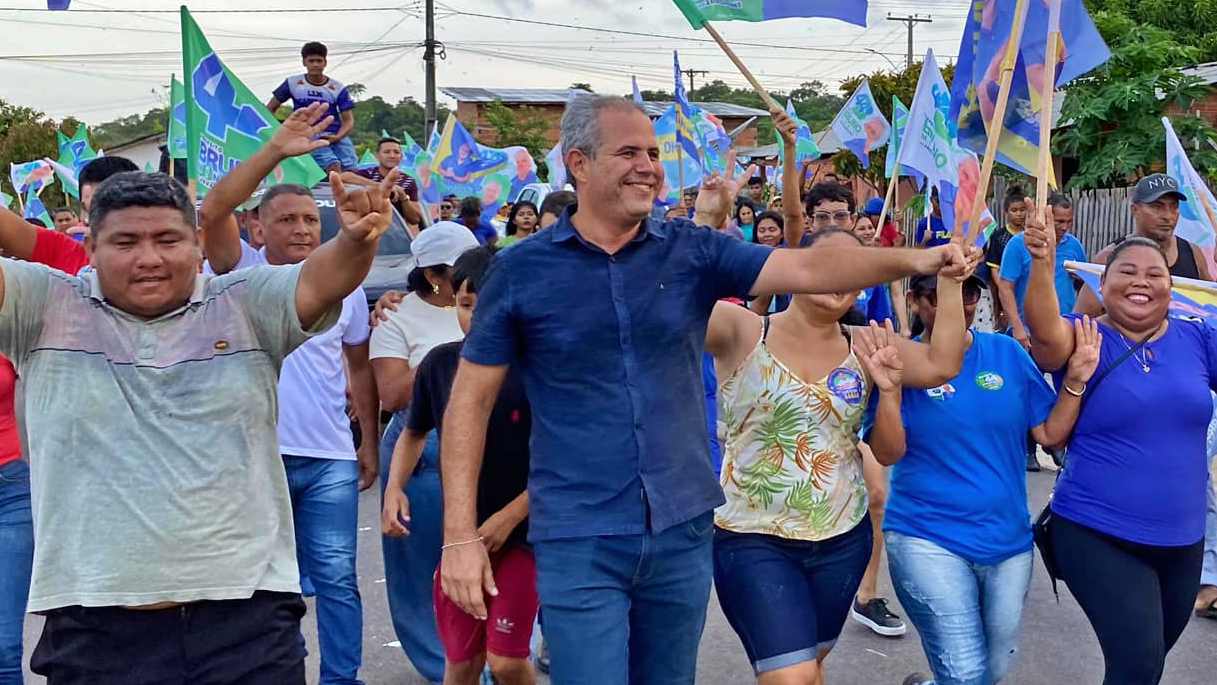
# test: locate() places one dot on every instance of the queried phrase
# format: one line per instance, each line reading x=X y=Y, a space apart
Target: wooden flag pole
x=743 y=68
x=997 y=123
x=1044 y=168
x=887 y=200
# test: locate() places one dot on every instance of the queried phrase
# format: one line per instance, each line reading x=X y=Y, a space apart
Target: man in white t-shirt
x=324 y=471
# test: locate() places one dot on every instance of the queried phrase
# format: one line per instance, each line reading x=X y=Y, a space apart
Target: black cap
x=1154 y=187
x=928 y=284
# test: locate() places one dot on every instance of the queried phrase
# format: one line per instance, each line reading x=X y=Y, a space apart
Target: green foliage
x=519 y=126
x=1113 y=116
x=883 y=85
x=25 y=135
x=1190 y=22
x=812 y=101
x=131 y=127
x=374 y=114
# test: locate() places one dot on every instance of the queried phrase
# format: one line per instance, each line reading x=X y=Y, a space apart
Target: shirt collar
x=90 y=278
x=565 y=228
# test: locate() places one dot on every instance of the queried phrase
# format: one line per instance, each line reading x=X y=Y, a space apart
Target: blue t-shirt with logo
x=939 y=234
x=1016 y=268
x=875 y=303
x=302 y=94
x=962 y=482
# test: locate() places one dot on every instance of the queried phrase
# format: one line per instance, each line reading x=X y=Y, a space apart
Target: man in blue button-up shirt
x=605 y=314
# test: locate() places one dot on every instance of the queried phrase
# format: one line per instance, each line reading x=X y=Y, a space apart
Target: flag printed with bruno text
x=225 y=122
x=698 y=12
x=861 y=126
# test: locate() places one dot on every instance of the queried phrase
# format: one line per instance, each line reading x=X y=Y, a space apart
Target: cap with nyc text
x=1154 y=187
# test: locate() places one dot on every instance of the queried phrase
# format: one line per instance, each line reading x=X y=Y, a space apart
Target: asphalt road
x=1057 y=644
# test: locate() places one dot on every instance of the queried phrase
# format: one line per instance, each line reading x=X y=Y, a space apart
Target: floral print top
x=791 y=464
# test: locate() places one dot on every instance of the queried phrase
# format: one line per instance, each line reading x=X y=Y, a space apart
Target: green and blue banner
x=698 y=12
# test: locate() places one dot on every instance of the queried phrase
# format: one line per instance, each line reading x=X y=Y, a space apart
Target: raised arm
x=844 y=269
x=929 y=366
x=17 y=236
x=336 y=268
x=792 y=187
x=1052 y=337
x=464 y=564
x=220 y=232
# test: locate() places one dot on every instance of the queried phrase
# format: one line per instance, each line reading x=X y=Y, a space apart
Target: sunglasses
x=971 y=295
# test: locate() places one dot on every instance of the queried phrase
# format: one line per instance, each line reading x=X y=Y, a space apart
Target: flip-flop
x=1209 y=612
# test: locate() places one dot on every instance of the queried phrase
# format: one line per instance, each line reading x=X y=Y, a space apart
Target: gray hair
x=581 y=123
x=139 y=189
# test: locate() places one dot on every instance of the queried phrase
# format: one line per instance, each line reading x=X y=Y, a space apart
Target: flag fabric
x=900 y=122
x=713 y=140
x=410 y=152
x=467 y=168
x=1194 y=225
x=665 y=133
x=68 y=177
x=367 y=160
x=58 y=4
x=177 y=119
x=805 y=143
x=637 y=93
x=34 y=175
x=6 y=200
x=1189 y=297
x=698 y=12
x=148 y=168
x=557 y=168
x=861 y=126
x=34 y=209
x=225 y=122
x=978 y=72
x=686 y=134
x=74 y=153
x=433 y=141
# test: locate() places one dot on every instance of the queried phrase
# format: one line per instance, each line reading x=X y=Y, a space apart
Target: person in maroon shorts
x=503 y=638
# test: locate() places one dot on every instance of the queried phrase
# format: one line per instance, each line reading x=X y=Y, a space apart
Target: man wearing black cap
x=1155 y=213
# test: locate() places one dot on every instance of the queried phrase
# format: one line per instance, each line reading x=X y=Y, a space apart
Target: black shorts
x=251 y=641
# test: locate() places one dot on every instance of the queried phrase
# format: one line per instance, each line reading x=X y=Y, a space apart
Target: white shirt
x=413 y=330
x=312 y=384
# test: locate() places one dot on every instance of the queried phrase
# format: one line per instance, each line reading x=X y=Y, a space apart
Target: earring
x=435 y=288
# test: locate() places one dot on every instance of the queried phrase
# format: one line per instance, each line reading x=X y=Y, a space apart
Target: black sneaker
x=543 y=658
x=876 y=616
x=1033 y=463
x=918 y=679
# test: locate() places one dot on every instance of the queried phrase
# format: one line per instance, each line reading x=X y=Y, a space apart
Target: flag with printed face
x=1195 y=225
x=34 y=175
x=698 y=12
x=34 y=209
x=557 y=168
x=225 y=122
x=861 y=126
x=686 y=134
x=975 y=89
x=177 y=119
x=806 y=149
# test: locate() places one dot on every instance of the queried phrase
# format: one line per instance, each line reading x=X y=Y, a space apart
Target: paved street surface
x=1058 y=646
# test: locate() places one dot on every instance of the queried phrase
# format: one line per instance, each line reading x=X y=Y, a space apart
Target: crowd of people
x=191 y=403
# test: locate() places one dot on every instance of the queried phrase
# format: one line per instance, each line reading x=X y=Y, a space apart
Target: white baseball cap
x=442 y=244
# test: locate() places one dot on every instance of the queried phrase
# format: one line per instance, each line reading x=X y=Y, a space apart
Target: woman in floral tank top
x=794 y=537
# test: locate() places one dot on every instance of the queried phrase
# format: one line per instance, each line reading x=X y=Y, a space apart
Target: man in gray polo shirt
x=163 y=532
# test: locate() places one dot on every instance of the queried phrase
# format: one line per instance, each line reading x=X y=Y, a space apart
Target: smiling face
x=830 y=306
x=768 y=233
x=291 y=226
x=146 y=259
x=864 y=228
x=1137 y=288
x=1157 y=220
x=621 y=180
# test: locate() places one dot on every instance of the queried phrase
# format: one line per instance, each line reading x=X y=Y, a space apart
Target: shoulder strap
x=1094 y=382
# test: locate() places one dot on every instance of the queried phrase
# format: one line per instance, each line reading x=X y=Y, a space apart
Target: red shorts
x=507 y=631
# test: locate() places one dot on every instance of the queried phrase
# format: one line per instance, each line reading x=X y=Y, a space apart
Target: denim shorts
x=788 y=599
x=342 y=152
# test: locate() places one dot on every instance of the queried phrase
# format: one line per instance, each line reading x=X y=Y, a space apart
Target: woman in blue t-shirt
x=957 y=528
x=1128 y=511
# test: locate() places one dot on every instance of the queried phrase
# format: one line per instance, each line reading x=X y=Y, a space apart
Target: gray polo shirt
x=155 y=467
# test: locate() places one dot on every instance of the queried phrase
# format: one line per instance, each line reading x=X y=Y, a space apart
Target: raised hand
x=1040 y=233
x=786 y=126
x=364 y=212
x=298 y=135
x=1087 y=343
x=717 y=197
x=876 y=349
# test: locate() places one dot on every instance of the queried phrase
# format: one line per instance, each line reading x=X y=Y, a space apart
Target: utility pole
x=691 y=73
x=912 y=20
x=429 y=51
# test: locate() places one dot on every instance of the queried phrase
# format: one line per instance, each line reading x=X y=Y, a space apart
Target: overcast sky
x=98 y=66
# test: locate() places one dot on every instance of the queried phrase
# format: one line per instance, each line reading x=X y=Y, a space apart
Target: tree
x=1113 y=115
x=126 y=129
x=518 y=126
x=582 y=86
x=1189 y=21
x=27 y=134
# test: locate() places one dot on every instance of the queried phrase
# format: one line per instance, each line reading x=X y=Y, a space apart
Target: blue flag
x=861 y=126
x=58 y=4
x=34 y=209
x=978 y=72
x=686 y=134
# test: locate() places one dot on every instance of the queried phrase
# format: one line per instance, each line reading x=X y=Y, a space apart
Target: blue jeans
x=969 y=616
x=16 y=562
x=628 y=608
x=410 y=562
x=325 y=507
x=1208 y=576
x=342 y=154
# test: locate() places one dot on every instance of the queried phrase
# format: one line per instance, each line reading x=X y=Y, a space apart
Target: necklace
x=1144 y=358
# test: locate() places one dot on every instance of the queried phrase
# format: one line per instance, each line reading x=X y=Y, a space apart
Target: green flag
x=177 y=119
x=698 y=12
x=368 y=160
x=74 y=153
x=6 y=200
x=225 y=122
